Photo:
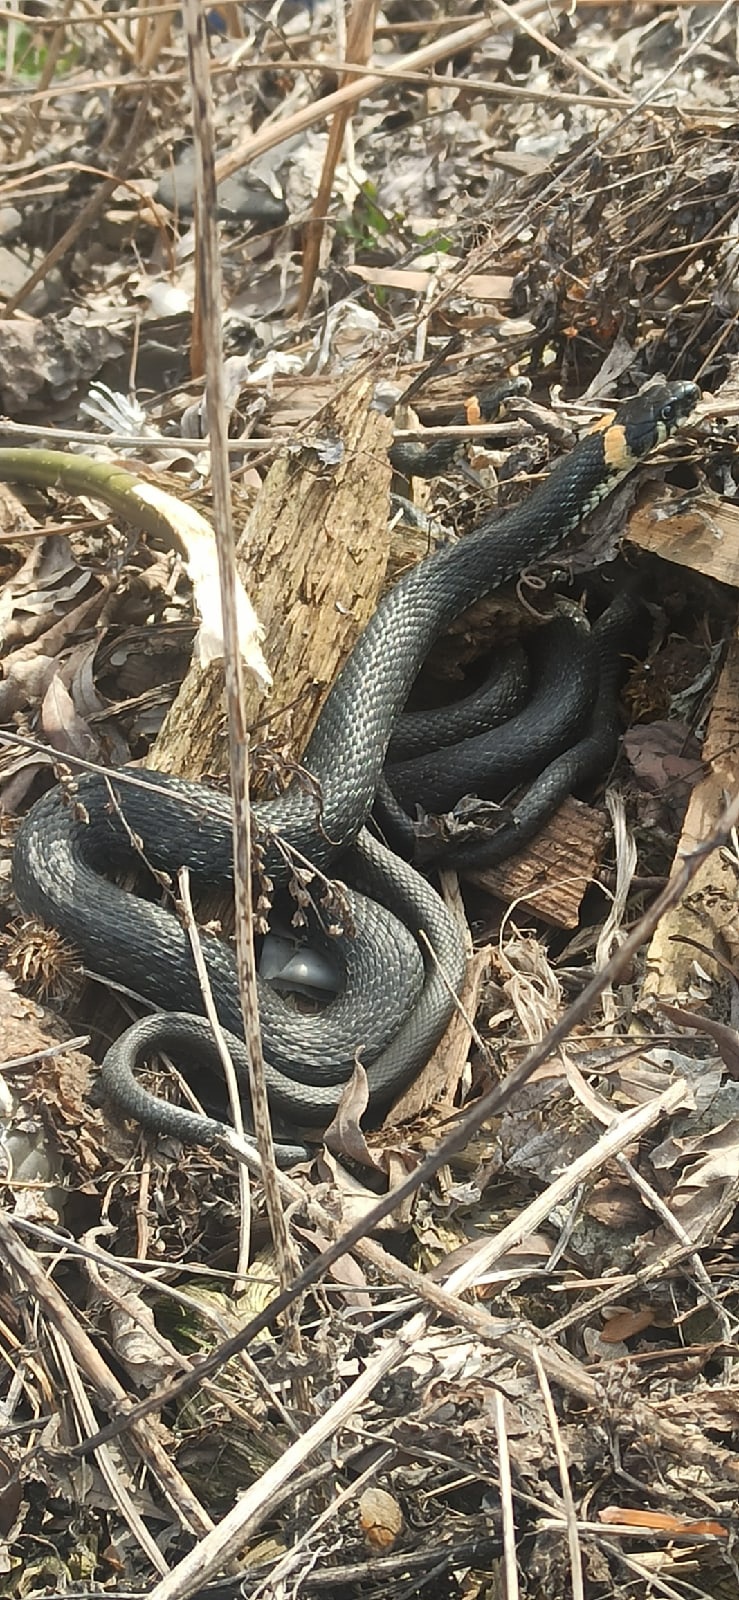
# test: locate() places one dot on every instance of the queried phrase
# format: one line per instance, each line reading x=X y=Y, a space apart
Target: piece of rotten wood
x=312 y=557
x=552 y=874
x=704 y=536
x=704 y=927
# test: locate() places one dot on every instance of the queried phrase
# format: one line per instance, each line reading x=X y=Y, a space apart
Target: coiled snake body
x=64 y=845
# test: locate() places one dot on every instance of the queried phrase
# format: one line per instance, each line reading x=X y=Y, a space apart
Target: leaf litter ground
x=550 y=196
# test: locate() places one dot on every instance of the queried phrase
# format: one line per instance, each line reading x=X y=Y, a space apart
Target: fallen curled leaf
x=664 y=754
x=380 y=1517
x=710 y=1166
x=344 y=1135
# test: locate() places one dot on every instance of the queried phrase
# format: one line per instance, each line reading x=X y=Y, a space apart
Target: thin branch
x=510 y=1563
x=578 y=1588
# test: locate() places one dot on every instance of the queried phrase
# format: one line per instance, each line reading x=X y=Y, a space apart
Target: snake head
x=655 y=414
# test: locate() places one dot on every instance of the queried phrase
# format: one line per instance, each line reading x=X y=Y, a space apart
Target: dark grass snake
x=472 y=849
x=491 y=763
x=501 y=695
x=68 y=840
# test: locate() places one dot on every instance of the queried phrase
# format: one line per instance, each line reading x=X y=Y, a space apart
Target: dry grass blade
x=510 y=1564
x=229 y=1071
x=573 y=1542
x=153 y=34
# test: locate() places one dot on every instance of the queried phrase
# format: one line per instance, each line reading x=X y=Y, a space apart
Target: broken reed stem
x=211 y=338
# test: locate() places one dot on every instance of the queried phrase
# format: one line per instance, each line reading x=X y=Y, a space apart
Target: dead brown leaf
x=62 y=728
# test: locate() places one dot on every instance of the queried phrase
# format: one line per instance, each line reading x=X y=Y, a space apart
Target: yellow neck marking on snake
x=617 y=454
x=603 y=423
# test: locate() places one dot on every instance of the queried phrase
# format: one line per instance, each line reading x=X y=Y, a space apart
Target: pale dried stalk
x=153 y=34
x=229 y=1073
x=576 y=1574
x=210 y=288
x=510 y=1564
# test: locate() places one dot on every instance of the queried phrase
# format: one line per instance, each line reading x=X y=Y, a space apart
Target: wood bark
x=312 y=556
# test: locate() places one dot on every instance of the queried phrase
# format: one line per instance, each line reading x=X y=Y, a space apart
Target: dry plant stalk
x=209 y=276
x=152 y=35
x=358 y=48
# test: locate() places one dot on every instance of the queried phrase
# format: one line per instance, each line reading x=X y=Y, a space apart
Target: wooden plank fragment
x=705 y=537
x=709 y=913
x=553 y=873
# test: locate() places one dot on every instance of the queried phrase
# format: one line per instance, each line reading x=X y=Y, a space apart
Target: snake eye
x=669 y=412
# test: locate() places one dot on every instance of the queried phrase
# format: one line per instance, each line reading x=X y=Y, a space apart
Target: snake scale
x=396 y=998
